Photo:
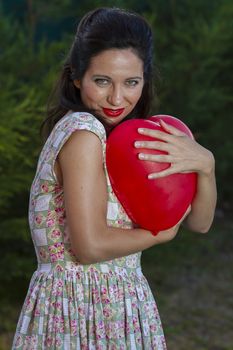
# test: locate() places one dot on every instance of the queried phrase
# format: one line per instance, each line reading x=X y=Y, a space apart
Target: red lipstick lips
x=113 y=112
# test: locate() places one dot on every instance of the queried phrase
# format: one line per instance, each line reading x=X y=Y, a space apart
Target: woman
x=88 y=291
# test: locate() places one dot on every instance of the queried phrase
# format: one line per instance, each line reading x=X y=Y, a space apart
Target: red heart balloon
x=153 y=204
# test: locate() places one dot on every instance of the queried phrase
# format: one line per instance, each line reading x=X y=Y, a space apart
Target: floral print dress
x=71 y=306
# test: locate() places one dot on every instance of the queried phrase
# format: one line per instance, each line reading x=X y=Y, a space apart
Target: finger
x=188 y=210
x=163 y=173
x=178 y=166
x=174 y=168
x=186 y=214
x=156 y=145
x=161 y=158
x=161 y=135
x=171 y=129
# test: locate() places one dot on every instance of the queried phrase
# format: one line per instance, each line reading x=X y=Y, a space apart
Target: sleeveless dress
x=70 y=306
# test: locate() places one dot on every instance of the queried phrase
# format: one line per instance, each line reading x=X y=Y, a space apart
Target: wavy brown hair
x=99 y=30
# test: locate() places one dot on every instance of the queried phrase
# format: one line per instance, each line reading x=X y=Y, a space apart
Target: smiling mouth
x=113 y=112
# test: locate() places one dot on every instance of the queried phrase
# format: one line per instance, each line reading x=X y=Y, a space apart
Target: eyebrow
x=107 y=77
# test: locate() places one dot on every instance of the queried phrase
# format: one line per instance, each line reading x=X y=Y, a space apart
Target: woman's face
x=112 y=85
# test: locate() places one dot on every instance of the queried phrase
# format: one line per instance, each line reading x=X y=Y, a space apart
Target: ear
x=77 y=83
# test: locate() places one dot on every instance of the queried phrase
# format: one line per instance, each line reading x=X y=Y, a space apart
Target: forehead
x=123 y=61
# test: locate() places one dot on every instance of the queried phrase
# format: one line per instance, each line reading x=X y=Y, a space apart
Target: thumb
x=186 y=213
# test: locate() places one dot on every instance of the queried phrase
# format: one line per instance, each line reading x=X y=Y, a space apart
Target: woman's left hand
x=183 y=153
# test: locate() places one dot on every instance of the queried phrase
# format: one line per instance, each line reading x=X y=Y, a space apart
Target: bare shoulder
x=81 y=146
x=81 y=141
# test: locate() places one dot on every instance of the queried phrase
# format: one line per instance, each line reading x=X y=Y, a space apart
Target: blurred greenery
x=192 y=281
x=193 y=54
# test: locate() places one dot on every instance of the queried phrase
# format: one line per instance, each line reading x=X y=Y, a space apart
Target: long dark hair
x=99 y=30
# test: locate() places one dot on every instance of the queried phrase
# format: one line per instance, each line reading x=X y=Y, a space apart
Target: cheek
x=135 y=96
x=90 y=94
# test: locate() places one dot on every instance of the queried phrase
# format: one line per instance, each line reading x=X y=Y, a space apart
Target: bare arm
x=85 y=192
x=203 y=205
x=186 y=155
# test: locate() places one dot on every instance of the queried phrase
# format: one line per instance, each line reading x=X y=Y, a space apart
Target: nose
x=115 y=96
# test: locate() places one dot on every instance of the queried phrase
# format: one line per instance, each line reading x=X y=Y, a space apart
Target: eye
x=132 y=82
x=101 y=81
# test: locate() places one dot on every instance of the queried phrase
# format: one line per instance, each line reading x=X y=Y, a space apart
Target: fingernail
x=151 y=177
x=137 y=144
x=141 y=156
x=141 y=130
x=161 y=121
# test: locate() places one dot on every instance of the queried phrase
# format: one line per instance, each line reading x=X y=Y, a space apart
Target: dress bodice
x=47 y=216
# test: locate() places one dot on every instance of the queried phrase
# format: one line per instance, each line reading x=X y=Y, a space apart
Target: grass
x=191 y=278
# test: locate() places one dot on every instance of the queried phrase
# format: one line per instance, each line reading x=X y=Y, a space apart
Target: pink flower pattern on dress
x=101 y=306
x=54 y=235
x=56 y=251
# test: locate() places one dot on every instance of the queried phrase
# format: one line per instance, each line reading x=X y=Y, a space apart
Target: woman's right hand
x=167 y=235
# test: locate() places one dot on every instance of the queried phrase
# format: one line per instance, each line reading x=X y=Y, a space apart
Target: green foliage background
x=193 y=54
